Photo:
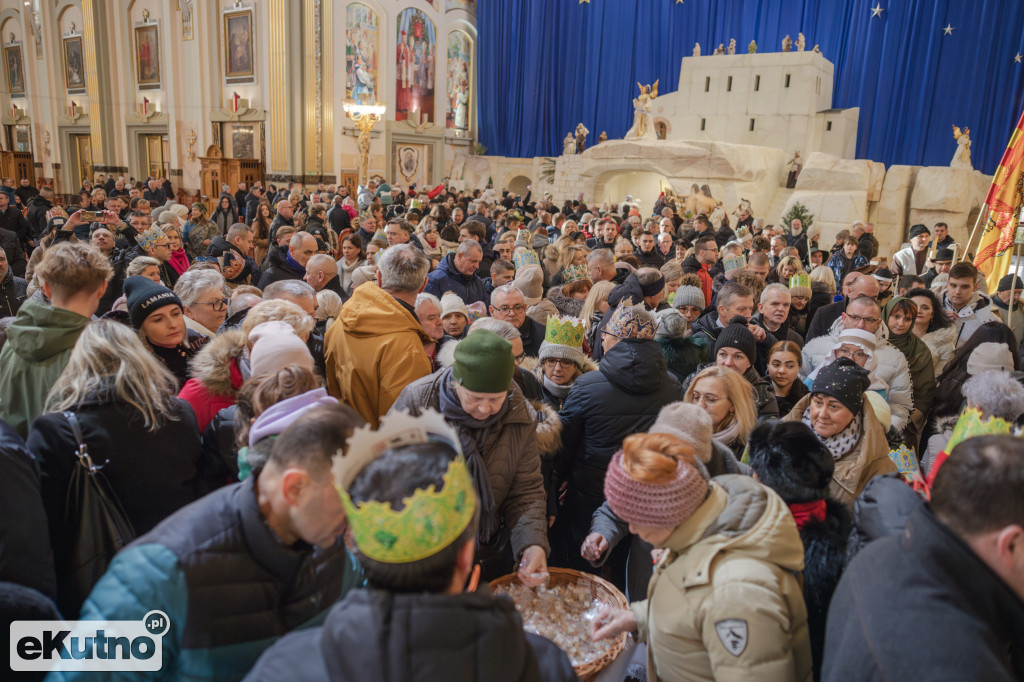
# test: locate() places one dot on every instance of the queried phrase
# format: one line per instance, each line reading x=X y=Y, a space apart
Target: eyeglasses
x=506 y=309
x=855 y=355
x=866 y=320
x=560 y=362
x=217 y=304
x=520 y=357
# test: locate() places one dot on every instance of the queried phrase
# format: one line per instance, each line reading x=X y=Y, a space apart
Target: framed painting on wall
x=147 y=57
x=411 y=163
x=15 y=70
x=361 y=34
x=74 y=64
x=238 y=50
x=414 y=82
x=460 y=79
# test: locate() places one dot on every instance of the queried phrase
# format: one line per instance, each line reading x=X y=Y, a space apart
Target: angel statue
x=752 y=47
x=732 y=46
x=569 y=144
x=962 y=157
x=800 y=42
x=787 y=44
x=642 y=128
x=696 y=49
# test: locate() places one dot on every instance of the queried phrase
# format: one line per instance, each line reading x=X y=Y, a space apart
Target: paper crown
x=734 y=262
x=524 y=235
x=972 y=424
x=800 y=281
x=625 y=322
x=564 y=331
x=525 y=257
x=514 y=215
x=366 y=216
x=150 y=238
x=906 y=465
x=575 y=273
x=430 y=519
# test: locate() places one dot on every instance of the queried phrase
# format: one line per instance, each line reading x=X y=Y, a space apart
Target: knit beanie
x=530 y=281
x=860 y=337
x=628 y=322
x=918 y=229
x=484 y=362
x=563 y=339
x=689 y=295
x=279 y=416
x=1007 y=283
x=845 y=381
x=688 y=423
x=737 y=336
x=274 y=345
x=791 y=460
x=451 y=303
x=656 y=505
x=144 y=297
x=990 y=356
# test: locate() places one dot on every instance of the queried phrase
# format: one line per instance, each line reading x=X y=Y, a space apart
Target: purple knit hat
x=276 y=418
x=658 y=505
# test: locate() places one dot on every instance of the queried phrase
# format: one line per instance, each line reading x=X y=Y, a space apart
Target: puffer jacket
x=217 y=374
x=892 y=369
x=13 y=292
x=228 y=585
x=377 y=635
x=39 y=343
x=868 y=458
x=445 y=277
x=977 y=312
x=512 y=458
x=373 y=351
x=881 y=510
x=725 y=603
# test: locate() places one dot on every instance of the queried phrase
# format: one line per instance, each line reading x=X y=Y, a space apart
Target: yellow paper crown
x=800 y=281
x=575 y=273
x=430 y=520
x=971 y=424
x=564 y=331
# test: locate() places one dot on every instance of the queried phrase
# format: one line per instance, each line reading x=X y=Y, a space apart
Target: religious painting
x=74 y=64
x=411 y=163
x=147 y=57
x=361 y=34
x=238 y=56
x=15 y=70
x=243 y=143
x=22 y=138
x=414 y=85
x=468 y=5
x=460 y=70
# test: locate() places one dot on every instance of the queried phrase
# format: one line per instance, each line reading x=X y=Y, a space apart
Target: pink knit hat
x=658 y=505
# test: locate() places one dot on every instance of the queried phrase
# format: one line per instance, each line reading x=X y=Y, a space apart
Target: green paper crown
x=564 y=331
x=429 y=520
x=800 y=281
x=524 y=235
x=575 y=273
x=971 y=424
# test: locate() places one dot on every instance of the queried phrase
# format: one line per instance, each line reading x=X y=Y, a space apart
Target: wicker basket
x=601 y=590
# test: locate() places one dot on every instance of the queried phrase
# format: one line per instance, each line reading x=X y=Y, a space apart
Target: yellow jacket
x=725 y=603
x=374 y=350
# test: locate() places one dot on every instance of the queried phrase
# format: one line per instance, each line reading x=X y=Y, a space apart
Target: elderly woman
x=497 y=429
x=204 y=300
x=203 y=231
x=724 y=601
x=845 y=422
x=860 y=346
x=157 y=314
x=561 y=360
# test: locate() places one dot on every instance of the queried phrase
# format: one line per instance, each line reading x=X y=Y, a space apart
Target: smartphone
x=91 y=216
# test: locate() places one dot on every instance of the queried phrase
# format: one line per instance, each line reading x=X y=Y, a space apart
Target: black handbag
x=96 y=522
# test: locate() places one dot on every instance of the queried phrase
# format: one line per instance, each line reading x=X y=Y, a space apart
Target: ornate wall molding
x=279 y=128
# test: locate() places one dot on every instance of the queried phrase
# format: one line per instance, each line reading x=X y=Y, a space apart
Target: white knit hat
x=451 y=303
x=990 y=356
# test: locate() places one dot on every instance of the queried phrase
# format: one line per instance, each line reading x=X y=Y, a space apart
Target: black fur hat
x=789 y=459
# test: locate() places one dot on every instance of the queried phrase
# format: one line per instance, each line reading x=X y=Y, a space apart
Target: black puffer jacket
x=881 y=510
x=13 y=291
x=278 y=269
x=377 y=635
x=603 y=407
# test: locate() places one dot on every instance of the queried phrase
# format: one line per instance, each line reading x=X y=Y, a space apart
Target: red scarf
x=707 y=283
x=805 y=511
x=179 y=261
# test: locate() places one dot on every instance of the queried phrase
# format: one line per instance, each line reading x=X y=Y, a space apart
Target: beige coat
x=725 y=603
x=869 y=457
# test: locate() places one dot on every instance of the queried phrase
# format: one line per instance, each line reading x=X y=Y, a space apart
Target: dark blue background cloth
x=547 y=65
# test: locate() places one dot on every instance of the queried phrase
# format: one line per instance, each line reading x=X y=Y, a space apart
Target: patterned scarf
x=841 y=443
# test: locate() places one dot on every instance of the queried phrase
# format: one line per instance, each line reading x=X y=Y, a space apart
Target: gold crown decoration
x=525 y=256
x=524 y=235
x=564 y=331
x=429 y=520
x=971 y=424
x=575 y=273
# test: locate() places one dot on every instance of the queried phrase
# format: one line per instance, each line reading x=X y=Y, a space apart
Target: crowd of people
x=790 y=456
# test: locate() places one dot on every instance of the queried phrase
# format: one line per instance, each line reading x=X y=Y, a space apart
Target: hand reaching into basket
x=611 y=622
x=594 y=547
x=533 y=567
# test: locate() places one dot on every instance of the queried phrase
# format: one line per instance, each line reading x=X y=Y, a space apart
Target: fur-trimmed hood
x=211 y=366
x=549 y=429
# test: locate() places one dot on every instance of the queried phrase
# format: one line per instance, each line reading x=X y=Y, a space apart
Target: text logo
x=89 y=645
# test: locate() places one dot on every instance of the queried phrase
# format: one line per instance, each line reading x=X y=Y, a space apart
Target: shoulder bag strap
x=82 y=453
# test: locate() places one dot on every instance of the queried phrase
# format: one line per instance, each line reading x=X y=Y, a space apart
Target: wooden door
x=351 y=181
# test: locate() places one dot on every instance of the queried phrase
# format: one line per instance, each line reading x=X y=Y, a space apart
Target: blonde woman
x=596 y=305
x=727 y=397
x=570 y=254
x=146 y=439
x=787 y=267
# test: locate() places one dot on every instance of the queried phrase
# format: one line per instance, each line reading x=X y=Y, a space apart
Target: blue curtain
x=546 y=65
